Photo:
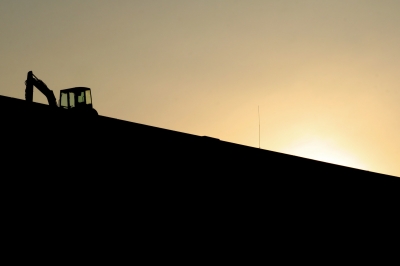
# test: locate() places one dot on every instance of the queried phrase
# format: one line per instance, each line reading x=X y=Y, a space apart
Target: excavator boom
x=31 y=81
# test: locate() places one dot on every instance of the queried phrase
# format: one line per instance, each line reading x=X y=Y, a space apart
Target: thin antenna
x=259 y=128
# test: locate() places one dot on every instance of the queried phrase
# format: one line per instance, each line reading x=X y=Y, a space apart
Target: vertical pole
x=259 y=128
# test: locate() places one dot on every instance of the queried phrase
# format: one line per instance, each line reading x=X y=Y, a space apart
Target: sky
x=323 y=73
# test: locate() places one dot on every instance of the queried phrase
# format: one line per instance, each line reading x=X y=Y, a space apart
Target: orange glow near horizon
x=324 y=150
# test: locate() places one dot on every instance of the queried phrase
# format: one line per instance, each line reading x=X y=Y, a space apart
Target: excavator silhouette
x=78 y=99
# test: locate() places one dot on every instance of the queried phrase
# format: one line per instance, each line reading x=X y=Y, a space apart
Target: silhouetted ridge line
x=113 y=143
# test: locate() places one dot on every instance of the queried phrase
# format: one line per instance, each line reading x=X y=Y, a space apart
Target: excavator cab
x=76 y=98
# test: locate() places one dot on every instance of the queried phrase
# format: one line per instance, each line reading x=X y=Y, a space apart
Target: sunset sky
x=324 y=73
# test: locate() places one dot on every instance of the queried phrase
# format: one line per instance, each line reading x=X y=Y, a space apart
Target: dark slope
x=116 y=181
x=112 y=149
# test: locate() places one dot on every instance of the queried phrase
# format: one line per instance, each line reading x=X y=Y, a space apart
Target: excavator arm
x=31 y=81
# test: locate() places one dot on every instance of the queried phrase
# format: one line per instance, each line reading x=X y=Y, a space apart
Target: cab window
x=88 y=97
x=71 y=100
x=64 y=100
x=81 y=97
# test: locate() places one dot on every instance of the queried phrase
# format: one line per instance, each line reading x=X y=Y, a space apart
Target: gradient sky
x=325 y=73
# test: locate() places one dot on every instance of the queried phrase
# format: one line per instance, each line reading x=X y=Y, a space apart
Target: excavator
x=78 y=99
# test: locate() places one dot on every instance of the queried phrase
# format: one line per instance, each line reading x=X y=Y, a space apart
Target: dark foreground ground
x=107 y=185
